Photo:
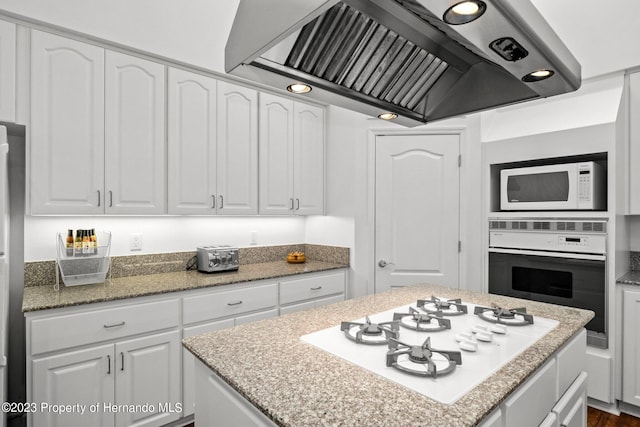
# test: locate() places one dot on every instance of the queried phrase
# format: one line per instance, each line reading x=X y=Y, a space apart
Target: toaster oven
x=217 y=258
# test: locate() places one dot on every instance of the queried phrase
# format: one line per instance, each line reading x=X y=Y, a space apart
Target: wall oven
x=555 y=261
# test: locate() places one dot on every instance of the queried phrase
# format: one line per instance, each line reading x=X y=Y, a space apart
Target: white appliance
x=566 y=186
x=4 y=265
x=468 y=329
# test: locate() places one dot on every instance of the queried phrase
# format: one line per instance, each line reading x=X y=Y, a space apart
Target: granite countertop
x=631 y=278
x=297 y=384
x=46 y=297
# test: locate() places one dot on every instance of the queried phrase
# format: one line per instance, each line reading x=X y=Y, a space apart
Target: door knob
x=382 y=263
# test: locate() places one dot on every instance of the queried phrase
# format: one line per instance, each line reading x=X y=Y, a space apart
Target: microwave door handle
x=567 y=255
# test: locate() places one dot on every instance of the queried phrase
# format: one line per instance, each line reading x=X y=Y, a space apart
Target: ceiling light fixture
x=387 y=116
x=536 y=76
x=299 y=88
x=464 y=12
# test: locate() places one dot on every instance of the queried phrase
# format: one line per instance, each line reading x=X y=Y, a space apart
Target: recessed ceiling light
x=536 y=76
x=464 y=12
x=387 y=116
x=299 y=88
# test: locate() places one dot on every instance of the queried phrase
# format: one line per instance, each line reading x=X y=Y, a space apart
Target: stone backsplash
x=635 y=261
x=43 y=273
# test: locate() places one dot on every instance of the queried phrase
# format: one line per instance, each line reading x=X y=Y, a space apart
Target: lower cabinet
x=132 y=382
x=631 y=347
x=313 y=290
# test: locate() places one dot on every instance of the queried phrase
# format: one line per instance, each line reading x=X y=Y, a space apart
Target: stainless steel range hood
x=399 y=56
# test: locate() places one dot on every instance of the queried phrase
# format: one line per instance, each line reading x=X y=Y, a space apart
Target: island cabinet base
x=218 y=405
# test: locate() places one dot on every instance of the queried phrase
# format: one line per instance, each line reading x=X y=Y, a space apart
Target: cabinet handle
x=122 y=360
x=297 y=204
x=316 y=288
x=291 y=200
x=114 y=325
x=234 y=303
x=108 y=365
x=213 y=201
x=99 y=198
x=221 y=202
x=110 y=198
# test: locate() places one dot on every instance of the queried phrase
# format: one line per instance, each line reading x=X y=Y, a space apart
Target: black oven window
x=545 y=282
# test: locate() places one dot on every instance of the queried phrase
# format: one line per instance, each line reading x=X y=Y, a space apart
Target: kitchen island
x=293 y=383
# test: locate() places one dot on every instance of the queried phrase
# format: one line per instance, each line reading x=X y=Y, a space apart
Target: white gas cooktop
x=476 y=366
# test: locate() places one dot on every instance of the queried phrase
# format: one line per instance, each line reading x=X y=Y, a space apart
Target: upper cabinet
x=213 y=146
x=97 y=130
x=67 y=126
x=291 y=157
x=7 y=71
x=134 y=135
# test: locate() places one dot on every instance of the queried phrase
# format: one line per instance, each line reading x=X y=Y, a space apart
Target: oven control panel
x=573 y=241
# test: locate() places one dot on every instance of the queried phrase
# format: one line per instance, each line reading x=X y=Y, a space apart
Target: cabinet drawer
x=572 y=360
x=532 y=402
x=74 y=329
x=229 y=303
x=311 y=287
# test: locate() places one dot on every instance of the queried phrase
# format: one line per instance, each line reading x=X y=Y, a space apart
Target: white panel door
x=134 y=134
x=237 y=150
x=417 y=210
x=148 y=371
x=83 y=377
x=7 y=71
x=276 y=155
x=67 y=126
x=631 y=347
x=308 y=182
x=191 y=143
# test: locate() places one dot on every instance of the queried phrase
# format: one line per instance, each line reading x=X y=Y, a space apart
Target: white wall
x=163 y=234
x=193 y=32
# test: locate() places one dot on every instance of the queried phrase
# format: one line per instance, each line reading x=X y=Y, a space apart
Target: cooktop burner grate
x=422 y=360
x=370 y=333
x=448 y=307
x=511 y=317
x=423 y=322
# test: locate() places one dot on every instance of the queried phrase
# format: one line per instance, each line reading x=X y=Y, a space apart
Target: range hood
x=416 y=59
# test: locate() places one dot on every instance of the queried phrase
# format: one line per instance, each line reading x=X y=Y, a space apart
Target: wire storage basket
x=83 y=265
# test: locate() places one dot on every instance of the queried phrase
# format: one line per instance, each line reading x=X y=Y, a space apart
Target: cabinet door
x=84 y=377
x=67 y=126
x=7 y=71
x=631 y=347
x=308 y=149
x=134 y=135
x=276 y=155
x=237 y=150
x=148 y=372
x=191 y=143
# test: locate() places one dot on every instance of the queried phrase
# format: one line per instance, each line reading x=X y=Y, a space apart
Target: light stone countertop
x=46 y=297
x=298 y=385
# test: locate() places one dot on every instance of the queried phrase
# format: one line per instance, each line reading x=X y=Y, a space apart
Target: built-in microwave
x=566 y=186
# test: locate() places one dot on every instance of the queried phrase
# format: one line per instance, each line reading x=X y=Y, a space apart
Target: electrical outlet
x=254 y=237
x=135 y=241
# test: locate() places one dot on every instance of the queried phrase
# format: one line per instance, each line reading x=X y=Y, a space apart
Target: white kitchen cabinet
x=631 y=347
x=67 y=126
x=125 y=354
x=234 y=307
x=237 y=150
x=310 y=291
x=192 y=158
x=533 y=401
x=83 y=377
x=634 y=144
x=134 y=135
x=7 y=71
x=571 y=409
x=97 y=130
x=291 y=157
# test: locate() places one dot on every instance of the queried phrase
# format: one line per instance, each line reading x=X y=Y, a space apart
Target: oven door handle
x=568 y=255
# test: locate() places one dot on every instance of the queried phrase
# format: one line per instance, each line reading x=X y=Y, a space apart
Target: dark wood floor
x=596 y=418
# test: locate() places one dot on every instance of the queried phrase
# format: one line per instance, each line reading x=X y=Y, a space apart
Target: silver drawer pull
x=316 y=289
x=234 y=303
x=114 y=325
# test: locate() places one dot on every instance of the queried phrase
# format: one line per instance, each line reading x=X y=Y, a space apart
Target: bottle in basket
x=69 y=243
x=94 y=242
x=77 y=243
x=86 y=243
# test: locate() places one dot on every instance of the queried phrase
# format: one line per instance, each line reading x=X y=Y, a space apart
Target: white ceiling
x=604 y=36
